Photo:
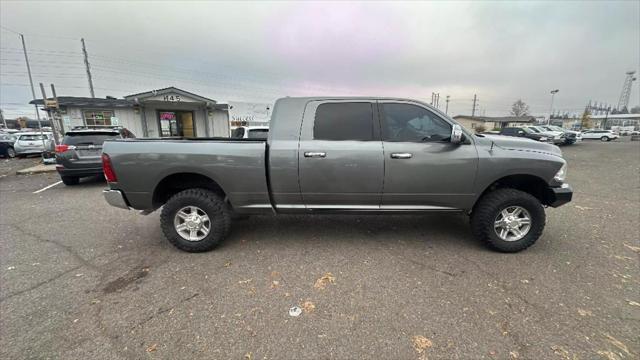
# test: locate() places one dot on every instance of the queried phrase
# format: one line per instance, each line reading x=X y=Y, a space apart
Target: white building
x=164 y=112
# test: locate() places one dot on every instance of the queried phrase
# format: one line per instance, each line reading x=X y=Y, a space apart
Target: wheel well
x=530 y=184
x=175 y=183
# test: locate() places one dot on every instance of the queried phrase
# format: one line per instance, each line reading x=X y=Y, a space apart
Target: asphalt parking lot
x=80 y=279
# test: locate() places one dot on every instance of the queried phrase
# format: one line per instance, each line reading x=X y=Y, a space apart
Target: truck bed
x=237 y=165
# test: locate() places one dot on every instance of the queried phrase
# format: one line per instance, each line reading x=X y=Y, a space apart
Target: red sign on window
x=167 y=115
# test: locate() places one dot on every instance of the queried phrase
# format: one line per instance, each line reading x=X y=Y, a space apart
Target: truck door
x=341 y=165
x=423 y=170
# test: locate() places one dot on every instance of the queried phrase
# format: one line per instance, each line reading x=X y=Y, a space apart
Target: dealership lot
x=81 y=279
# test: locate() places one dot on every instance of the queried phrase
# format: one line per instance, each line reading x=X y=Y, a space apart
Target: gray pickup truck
x=341 y=155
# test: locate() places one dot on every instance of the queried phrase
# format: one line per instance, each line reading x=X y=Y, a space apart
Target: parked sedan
x=603 y=135
x=33 y=143
x=556 y=137
x=524 y=132
x=7 y=142
x=80 y=153
x=570 y=136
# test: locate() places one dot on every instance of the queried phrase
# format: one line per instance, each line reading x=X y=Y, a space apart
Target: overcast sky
x=260 y=51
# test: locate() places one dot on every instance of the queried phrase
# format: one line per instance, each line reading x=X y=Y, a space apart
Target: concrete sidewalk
x=40 y=168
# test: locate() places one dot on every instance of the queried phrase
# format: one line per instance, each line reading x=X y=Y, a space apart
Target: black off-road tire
x=490 y=205
x=70 y=180
x=211 y=204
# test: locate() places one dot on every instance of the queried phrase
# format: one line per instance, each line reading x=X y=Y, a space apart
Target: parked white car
x=250 y=132
x=603 y=135
x=32 y=143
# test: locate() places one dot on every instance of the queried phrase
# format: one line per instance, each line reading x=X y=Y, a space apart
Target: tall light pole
x=553 y=93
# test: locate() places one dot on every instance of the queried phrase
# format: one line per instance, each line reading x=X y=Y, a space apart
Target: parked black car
x=6 y=145
x=80 y=153
x=524 y=132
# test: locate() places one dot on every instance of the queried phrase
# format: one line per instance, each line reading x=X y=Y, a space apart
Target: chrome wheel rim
x=192 y=223
x=512 y=223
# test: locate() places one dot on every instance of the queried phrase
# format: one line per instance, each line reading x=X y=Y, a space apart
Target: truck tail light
x=62 y=148
x=109 y=174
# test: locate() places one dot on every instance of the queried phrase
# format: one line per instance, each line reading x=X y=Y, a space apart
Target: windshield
x=528 y=130
x=32 y=137
x=88 y=138
x=258 y=133
x=555 y=128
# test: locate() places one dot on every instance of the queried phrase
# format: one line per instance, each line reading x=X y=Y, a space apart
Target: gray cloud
x=259 y=51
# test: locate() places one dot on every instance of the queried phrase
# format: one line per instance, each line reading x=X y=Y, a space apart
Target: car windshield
x=88 y=138
x=528 y=130
x=258 y=133
x=32 y=137
x=555 y=128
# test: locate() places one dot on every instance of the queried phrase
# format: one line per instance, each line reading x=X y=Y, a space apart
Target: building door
x=176 y=123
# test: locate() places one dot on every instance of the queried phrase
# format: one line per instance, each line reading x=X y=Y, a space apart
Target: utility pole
x=57 y=113
x=86 y=64
x=475 y=100
x=4 y=121
x=553 y=93
x=446 y=111
x=33 y=92
x=51 y=120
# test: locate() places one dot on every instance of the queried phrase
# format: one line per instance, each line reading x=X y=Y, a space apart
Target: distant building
x=164 y=112
x=26 y=123
x=490 y=122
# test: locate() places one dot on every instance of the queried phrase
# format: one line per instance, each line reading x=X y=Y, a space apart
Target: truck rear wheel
x=195 y=220
x=508 y=220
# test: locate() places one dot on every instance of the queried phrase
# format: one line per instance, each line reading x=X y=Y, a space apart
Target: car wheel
x=70 y=180
x=195 y=220
x=508 y=220
x=604 y=138
x=11 y=153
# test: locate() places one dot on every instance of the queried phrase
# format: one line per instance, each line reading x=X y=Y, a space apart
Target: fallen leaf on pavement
x=583 y=207
x=609 y=355
x=583 y=312
x=227 y=264
x=11 y=268
x=633 y=303
x=152 y=348
x=308 y=307
x=634 y=248
x=325 y=280
x=513 y=354
x=248 y=355
x=244 y=281
x=559 y=350
x=617 y=343
x=421 y=343
x=275 y=284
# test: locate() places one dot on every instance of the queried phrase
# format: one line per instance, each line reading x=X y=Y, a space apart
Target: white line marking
x=47 y=187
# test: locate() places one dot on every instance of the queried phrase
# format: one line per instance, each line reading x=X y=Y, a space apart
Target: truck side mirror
x=520 y=132
x=456 y=134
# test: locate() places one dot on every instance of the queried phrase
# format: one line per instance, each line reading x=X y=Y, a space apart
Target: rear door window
x=344 y=121
x=88 y=138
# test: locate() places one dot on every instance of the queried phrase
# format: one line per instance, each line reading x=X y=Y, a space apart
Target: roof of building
x=168 y=90
x=616 y=116
x=87 y=102
x=499 y=119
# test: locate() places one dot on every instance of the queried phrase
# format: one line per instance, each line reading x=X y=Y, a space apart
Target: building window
x=98 y=117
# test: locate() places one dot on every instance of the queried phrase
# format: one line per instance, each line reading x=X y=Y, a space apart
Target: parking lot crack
x=42 y=283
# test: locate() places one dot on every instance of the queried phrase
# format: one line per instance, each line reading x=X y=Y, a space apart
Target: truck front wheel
x=508 y=220
x=195 y=220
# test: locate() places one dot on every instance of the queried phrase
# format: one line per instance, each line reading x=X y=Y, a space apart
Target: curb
x=38 y=169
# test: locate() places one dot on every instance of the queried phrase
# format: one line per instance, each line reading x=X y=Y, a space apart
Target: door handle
x=315 y=154
x=401 y=156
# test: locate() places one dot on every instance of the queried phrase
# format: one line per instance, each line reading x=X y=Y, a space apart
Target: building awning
x=87 y=102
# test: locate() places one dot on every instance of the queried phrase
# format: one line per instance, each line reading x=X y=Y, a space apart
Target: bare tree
x=519 y=108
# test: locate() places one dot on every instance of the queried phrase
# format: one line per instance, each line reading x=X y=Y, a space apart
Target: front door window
x=176 y=123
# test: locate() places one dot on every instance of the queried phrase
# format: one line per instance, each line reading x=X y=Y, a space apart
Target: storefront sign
x=249 y=114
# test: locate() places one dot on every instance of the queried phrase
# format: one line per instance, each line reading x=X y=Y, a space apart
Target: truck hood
x=522 y=144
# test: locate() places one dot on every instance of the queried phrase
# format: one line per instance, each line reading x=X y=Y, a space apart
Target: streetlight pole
x=553 y=93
